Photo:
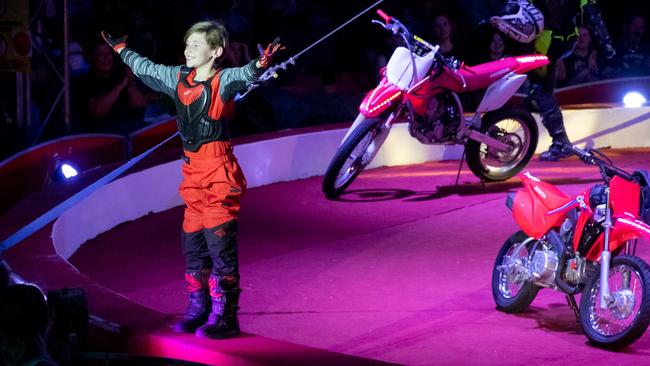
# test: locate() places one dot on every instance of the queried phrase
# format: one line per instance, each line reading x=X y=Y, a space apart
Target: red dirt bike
x=582 y=245
x=420 y=86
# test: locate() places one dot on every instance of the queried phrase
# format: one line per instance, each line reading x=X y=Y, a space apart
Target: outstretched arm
x=234 y=80
x=158 y=77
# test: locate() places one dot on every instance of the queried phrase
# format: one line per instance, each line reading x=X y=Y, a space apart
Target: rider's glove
x=267 y=54
x=118 y=44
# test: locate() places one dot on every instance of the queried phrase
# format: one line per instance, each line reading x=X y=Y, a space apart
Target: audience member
x=443 y=33
x=107 y=98
x=581 y=66
x=633 y=53
x=496 y=47
x=24 y=325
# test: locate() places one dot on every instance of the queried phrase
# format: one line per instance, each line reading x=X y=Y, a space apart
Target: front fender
x=632 y=227
x=380 y=99
x=625 y=228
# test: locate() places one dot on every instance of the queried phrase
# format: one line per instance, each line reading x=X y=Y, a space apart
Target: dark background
x=325 y=86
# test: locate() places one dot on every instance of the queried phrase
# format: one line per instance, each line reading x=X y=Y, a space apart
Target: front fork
x=605 y=258
x=360 y=118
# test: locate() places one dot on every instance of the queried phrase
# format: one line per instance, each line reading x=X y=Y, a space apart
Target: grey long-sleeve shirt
x=164 y=78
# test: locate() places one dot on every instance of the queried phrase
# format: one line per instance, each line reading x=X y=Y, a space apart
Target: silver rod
x=28 y=99
x=337 y=29
x=20 y=99
x=66 y=68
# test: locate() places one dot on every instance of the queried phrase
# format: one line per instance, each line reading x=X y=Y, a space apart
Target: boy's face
x=198 y=52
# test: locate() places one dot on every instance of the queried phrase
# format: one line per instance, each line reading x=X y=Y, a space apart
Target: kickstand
x=571 y=300
x=460 y=167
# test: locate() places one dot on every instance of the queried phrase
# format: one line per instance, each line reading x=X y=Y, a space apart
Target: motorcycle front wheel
x=511 y=290
x=627 y=315
x=354 y=154
x=514 y=127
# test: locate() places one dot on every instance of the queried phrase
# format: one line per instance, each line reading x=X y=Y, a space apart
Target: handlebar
x=392 y=24
x=606 y=169
x=384 y=16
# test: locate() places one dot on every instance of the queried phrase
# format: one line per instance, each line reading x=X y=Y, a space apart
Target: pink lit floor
x=397 y=271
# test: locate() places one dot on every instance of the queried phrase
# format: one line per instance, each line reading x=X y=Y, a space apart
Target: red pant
x=213 y=183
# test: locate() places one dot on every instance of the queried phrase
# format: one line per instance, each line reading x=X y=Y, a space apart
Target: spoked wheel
x=513 y=127
x=354 y=154
x=511 y=289
x=627 y=314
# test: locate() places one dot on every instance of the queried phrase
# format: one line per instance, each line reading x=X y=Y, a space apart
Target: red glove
x=267 y=54
x=118 y=44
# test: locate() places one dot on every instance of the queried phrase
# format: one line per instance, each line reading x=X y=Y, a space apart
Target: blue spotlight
x=68 y=171
x=633 y=100
x=62 y=170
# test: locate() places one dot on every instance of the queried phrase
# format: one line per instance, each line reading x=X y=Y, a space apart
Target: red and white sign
x=15 y=39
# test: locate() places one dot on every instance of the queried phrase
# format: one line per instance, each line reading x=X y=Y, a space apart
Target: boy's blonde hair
x=216 y=34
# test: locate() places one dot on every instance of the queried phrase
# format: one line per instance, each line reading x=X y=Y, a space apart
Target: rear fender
x=499 y=92
x=527 y=63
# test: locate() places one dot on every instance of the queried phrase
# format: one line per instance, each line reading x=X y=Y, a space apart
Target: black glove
x=118 y=44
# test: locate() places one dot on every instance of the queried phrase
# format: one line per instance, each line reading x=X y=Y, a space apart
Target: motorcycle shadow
x=467 y=189
x=559 y=318
x=555 y=317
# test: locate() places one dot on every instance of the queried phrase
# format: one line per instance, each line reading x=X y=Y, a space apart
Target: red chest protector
x=196 y=127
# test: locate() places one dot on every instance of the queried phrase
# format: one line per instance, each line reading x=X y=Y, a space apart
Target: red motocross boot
x=199 y=305
x=222 y=321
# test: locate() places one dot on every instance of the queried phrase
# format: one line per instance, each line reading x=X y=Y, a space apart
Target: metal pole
x=66 y=69
x=28 y=99
x=20 y=99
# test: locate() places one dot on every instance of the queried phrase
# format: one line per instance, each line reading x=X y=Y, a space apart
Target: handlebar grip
x=575 y=150
x=384 y=16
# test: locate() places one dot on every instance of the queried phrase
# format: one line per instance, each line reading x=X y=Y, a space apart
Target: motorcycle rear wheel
x=354 y=154
x=514 y=127
x=509 y=295
x=623 y=323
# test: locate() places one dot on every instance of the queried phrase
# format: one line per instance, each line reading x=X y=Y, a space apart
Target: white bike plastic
x=399 y=70
x=500 y=92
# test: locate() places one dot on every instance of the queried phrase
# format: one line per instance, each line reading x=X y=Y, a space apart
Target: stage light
x=633 y=100
x=62 y=170
x=68 y=171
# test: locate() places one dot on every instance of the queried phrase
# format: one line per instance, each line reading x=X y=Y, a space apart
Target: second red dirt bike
x=420 y=86
x=584 y=244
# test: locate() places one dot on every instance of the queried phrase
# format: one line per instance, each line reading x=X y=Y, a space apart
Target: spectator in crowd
x=108 y=98
x=581 y=66
x=634 y=54
x=496 y=48
x=24 y=325
x=443 y=33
